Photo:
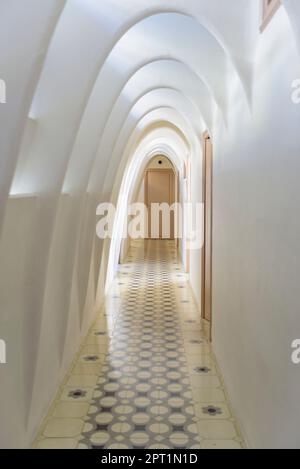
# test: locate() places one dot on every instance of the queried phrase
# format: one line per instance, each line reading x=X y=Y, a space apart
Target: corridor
x=125 y=122
x=145 y=376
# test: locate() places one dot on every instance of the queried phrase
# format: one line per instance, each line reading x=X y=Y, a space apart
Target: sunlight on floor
x=145 y=376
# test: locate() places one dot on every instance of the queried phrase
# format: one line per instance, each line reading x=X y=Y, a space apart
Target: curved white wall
x=256 y=250
x=92 y=88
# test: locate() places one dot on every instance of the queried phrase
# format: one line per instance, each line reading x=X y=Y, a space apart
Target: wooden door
x=207 y=248
x=159 y=189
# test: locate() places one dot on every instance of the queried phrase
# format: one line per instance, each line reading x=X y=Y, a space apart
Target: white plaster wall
x=77 y=72
x=17 y=323
x=26 y=29
x=256 y=246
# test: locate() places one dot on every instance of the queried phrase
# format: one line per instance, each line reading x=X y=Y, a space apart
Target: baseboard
x=240 y=426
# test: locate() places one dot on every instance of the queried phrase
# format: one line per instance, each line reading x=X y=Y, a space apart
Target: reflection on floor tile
x=145 y=376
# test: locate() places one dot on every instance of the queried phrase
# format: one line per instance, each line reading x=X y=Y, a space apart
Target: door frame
x=187 y=172
x=172 y=195
x=205 y=254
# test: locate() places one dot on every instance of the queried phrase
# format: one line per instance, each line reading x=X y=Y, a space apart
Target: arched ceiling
x=161 y=73
x=92 y=61
x=153 y=100
x=136 y=133
x=97 y=78
x=94 y=89
x=93 y=55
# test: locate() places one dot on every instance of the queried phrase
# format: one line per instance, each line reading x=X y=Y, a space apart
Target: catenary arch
x=77 y=86
x=46 y=173
x=135 y=167
x=92 y=132
x=54 y=144
x=84 y=255
x=102 y=104
x=153 y=99
x=157 y=124
x=154 y=119
x=159 y=113
x=21 y=75
x=38 y=173
x=153 y=123
x=68 y=95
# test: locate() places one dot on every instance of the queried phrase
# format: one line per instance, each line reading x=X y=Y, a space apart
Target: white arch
x=138 y=162
x=21 y=74
x=131 y=147
x=152 y=100
x=57 y=101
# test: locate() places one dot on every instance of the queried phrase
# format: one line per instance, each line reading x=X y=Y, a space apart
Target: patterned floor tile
x=145 y=376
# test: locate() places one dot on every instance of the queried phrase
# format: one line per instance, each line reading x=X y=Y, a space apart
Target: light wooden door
x=159 y=189
x=207 y=248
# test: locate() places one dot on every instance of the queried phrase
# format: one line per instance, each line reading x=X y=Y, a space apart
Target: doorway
x=207 y=231
x=160 y=188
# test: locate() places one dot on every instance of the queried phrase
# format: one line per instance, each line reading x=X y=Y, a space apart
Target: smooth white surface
x=95 y=88
x=256 y=247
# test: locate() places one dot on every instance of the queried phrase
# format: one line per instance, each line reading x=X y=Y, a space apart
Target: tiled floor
x=145 y=376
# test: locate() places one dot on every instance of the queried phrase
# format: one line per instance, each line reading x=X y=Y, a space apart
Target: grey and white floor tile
x=145 y=376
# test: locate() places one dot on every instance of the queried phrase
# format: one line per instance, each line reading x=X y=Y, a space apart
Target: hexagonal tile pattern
x=145 y=376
